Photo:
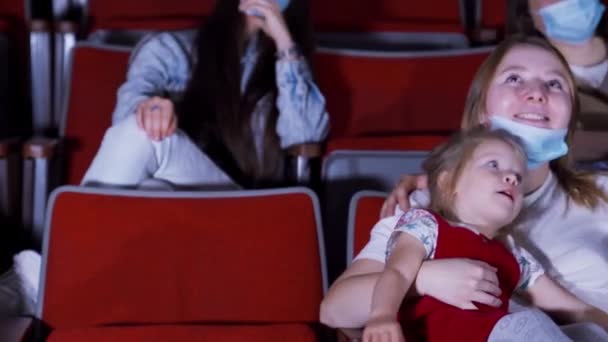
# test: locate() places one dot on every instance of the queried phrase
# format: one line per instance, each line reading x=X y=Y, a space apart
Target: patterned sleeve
x=302 y=114
x=530 y=269
x=420 y=224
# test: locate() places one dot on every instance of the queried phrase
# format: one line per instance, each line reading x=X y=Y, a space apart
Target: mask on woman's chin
x=542 y=145
x=572 y=21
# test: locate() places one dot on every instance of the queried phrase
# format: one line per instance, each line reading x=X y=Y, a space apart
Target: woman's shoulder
x=175 y=44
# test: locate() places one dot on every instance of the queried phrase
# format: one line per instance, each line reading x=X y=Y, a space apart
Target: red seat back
x=149 y=14
x=140 y=258
x=364 y=213
x=97 y=73
x=387 y=15
x=175 y=333
x=396 y=94
x=494 y=14
x=14 y=68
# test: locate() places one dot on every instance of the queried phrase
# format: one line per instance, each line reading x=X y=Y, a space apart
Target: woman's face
x=530 y=86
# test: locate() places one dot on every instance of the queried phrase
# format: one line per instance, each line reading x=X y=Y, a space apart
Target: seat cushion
x=226 y=333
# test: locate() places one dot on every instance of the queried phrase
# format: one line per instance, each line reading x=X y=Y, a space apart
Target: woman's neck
x=535 y=178
x=589 y=53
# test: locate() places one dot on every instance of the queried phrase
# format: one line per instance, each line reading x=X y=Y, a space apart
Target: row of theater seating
x=131 y=265
x=363 y=24
x=35 y=86
x=360 y=103
x=161 y=264
x=186 y=265
x=381 y=126
x=379 y=103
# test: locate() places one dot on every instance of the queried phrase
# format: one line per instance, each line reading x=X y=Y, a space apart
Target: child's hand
x=383 y=329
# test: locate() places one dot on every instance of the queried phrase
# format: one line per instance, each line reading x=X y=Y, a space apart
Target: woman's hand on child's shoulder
x=400 y=194
x=156 y=116
x=383 y=329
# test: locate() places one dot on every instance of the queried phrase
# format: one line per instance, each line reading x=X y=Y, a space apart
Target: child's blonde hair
x=451 y=157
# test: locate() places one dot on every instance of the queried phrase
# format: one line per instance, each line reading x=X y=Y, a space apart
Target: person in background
x=525 y=87
x=579 y=30
x=475 y=183
x=219 y=108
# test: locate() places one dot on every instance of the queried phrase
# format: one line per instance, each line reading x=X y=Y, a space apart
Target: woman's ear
x=484 y=120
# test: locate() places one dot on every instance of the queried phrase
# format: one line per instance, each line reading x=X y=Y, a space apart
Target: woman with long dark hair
x=240 y=91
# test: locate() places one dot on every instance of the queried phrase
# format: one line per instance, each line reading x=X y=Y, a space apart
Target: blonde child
x=475 y=181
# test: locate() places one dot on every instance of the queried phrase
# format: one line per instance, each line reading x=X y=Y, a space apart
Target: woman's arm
x=348 y=301
x=561 y=304
x=302 y=114
x=401 y=193
x=159 y=64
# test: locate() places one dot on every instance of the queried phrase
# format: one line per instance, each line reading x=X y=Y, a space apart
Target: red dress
x=427 y=319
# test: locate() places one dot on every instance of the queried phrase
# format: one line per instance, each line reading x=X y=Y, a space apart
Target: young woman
x=240 y=91
x=579 y=30
x=476 y=190
x=527 y=85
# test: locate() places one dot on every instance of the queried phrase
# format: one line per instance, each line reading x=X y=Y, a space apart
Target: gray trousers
x=533 y=325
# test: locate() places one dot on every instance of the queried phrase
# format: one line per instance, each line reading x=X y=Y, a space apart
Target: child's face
x=489 y=191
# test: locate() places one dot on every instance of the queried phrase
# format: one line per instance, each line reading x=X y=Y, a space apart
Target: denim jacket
x=162 y=63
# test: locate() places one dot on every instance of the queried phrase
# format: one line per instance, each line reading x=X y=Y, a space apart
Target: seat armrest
x=40 y=25
x=304 y=160
x=349 y=334
x=8 y=146
x=305 y=150
x=40 y=148
x=66 y=27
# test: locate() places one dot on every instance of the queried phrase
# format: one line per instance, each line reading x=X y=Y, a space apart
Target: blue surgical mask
x=542 y=145
x=283 y=4
x=572 y=21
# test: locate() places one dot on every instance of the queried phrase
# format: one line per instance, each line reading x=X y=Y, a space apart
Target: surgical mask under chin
x=572 y=21
x=542 y=145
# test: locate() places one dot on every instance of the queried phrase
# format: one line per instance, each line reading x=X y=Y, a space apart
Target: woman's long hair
x=214 y=113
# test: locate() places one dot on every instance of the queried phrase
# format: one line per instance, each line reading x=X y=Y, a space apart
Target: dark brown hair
x=214 y=113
